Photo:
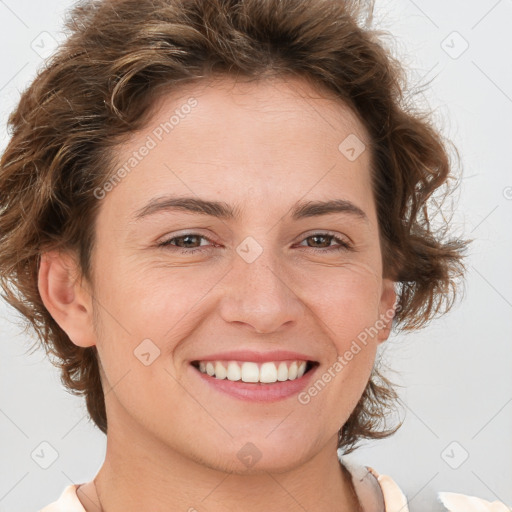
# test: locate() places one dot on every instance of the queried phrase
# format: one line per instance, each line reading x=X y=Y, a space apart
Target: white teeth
x=266 y=373
x=250 y=372
x=220 y=371
x=234 y=371
x=282 y=372
x=292 y=371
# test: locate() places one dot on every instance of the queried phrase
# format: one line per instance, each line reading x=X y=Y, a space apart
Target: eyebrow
x=222 y=210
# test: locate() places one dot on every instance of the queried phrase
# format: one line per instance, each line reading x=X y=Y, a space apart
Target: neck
x=132 y=479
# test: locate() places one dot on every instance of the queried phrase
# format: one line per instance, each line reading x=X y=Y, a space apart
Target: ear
x=387 y=308
x=62 y=292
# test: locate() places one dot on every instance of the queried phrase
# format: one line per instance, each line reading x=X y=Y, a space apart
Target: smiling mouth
x=257 y=373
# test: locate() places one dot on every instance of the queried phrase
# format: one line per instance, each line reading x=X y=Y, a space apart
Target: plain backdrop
x=456 y=373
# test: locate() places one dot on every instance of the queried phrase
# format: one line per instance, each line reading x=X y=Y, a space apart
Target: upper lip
x=257 y=357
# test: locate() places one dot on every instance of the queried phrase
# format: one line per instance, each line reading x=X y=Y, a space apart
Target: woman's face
x=246 y=270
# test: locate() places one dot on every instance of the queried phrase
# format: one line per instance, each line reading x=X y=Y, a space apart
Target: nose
x=260 y=296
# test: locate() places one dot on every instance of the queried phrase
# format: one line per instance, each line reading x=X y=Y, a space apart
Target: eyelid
x=185 y=232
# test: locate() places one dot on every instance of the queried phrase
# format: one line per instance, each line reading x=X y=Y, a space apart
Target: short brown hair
x=121 y=55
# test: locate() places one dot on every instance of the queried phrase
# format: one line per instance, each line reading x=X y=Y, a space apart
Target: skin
x=172 y=441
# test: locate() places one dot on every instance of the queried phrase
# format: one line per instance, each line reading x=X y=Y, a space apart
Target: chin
x=258 y=455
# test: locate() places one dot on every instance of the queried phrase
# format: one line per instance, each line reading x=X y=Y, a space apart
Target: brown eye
x=186 y=240
x=186 y=244
x=322 y=242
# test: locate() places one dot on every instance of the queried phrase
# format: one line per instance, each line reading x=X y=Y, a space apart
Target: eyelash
x=344 y=245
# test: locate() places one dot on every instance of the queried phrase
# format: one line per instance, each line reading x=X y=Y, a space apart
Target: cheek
x=345 y=299
x=149 y=314
x=150 y=297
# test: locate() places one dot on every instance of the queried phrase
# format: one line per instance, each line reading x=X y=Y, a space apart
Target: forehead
x=252 y=142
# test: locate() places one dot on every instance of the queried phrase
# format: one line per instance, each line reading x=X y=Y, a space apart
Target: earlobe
x=386 y=309
x=64 y=297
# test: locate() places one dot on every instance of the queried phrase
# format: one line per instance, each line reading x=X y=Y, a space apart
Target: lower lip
x=258 y=392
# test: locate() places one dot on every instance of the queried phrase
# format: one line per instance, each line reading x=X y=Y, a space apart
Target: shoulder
x=67 y=502
x=376 y=491
x=381 y=493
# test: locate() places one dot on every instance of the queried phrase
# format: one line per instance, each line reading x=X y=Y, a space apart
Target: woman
x=214 y=213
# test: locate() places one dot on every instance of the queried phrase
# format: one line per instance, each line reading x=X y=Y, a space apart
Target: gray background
x=456 y=373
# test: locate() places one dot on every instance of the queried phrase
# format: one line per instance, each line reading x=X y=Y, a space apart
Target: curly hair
x=120 y=56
